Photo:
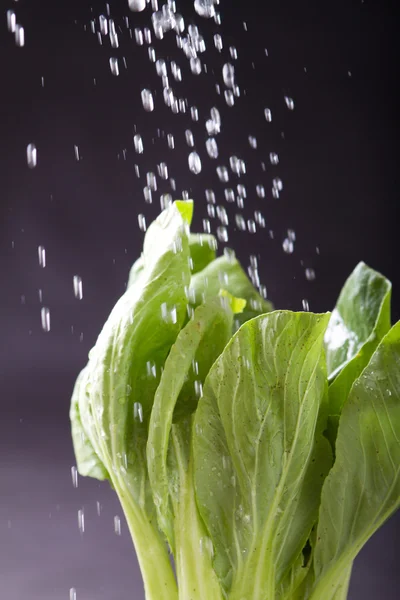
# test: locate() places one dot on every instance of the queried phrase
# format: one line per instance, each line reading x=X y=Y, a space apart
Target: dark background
x=338 y=159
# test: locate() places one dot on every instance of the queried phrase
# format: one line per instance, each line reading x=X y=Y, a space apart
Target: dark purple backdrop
x=338 y=160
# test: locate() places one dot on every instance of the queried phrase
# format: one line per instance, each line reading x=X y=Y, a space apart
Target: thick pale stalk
x=197 y=579
x=158 y=577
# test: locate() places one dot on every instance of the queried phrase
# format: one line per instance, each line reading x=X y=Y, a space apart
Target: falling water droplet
x=268 y=115
x=289 y=102
x=81 y=520
x=138 y=412
x=142 y=222
x=78 y=290
x=72 y=594
x=31 y=156
x=117 y=525
x=194 y=163
x=137 y=5
x=205 y=8
x=212 y=148
x=74 y=475
x=147 y=100
x=310 y=274
x=42 y=256
x=189 y=138
x=288 y=246
x=19 y=36
x=138 y=143
x=228 y=75
x=114 y=66
x=11 y=21
x=45 y=318
x=223 y=174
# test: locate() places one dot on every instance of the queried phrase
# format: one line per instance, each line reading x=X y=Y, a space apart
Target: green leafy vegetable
x=210 y=417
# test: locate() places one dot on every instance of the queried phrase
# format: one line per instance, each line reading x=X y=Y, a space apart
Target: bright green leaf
x=363 y=488
x=260 y=457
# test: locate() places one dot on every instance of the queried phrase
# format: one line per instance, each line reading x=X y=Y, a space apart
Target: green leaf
x=259 y=454
x=123 y=373
x=88 y=462
x=358 y=322
x=202 y=250
x=226 y=273
x=363 y=488
x=169 y=446
x=197 y=346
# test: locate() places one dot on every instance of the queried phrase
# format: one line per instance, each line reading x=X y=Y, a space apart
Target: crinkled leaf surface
x=259 y=454
x=363 y=488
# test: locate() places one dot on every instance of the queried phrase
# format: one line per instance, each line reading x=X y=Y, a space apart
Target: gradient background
x=338 y=161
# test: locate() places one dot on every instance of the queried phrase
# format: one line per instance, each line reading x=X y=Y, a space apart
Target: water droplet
x=218 y=42
x=81 y=520
x=212 y=148
x=151 y=181
x=273 y=158
x=139 y=36
x=251 y=226
x=103 y=24
x=206 y=226
x=42 y=256
x=223 y=174
x=78 y=289
x=228 y=75
x=291 y=235
x=305 y=305
x=268 y=115
x=222 y=233
x=147 y=100
x=176 y=71
x=210 y=196
x=288 y=246
x=165 y=201
x=138 y=412
x=171 y=141
x=142 y=222
x=198 y=388
x=277 y=184
x=260 y=190
x=163 y=170
x=168 y=314
x=194 y=113
x=72 y=594
x=238 y=166
x=117 y=525
x=114 y=66
x=137 y=5
x=253 y=142
x=31 y=156
x=229 y=195
x=148 y=196
x=310 y=274
x=222 y=215
x=19 y=35
x=11 y=21
x=138 y=143
x=229 y=97
x=76 y=152
x=147 y=35
x=194 y=163
x=289 y=102
x=189 y=138
x=205 y=8
x=195 y=66
x=74 y=475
